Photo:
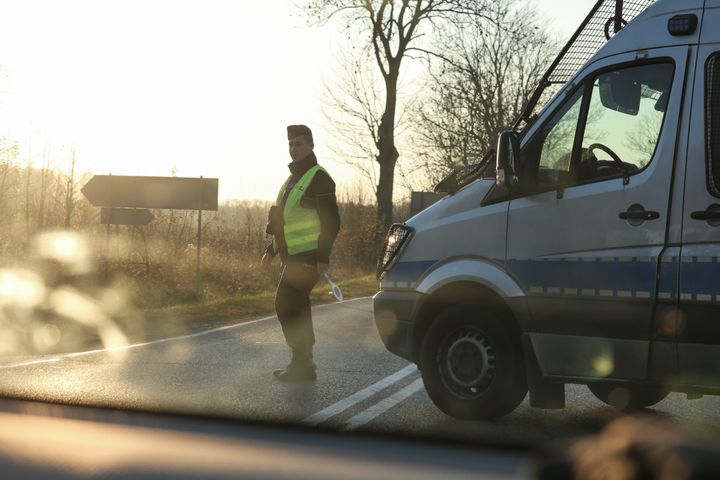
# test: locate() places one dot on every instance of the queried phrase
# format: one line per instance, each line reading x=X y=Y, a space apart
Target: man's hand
x=322 y=268
x=266 y=260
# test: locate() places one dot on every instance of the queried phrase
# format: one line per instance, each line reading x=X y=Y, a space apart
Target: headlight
x=397 y=237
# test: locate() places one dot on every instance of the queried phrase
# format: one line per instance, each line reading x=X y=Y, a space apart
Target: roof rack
x=606 y=18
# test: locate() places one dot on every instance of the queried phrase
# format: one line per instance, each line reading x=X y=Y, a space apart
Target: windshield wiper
x=464 y=175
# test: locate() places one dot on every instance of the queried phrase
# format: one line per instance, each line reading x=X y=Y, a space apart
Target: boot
x=301 y=369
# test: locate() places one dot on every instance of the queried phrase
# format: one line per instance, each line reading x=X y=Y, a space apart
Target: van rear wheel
x=472 y=364
x=628 y=397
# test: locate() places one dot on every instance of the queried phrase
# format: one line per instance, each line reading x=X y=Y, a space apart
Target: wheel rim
x=467 y=363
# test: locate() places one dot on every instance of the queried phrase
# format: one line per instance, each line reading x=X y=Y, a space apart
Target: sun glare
x=21 y=288
x=152 y=88
x=68 y=248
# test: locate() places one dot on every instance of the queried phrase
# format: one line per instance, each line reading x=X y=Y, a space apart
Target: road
x=361 y=386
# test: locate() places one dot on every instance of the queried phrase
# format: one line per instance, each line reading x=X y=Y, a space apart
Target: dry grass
x=152 y=268
x=194 y=317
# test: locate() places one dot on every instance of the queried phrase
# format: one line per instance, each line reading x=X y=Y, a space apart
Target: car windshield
x=194 y=198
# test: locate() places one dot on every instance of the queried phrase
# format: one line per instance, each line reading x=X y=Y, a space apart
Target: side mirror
x=508 y=154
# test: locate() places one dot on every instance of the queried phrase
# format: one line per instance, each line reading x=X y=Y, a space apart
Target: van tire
x=472 y=364
x=628 y=397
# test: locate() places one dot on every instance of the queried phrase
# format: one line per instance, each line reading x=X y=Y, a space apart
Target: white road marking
x=383 y=406
x=30 y=362
x=348 y=402
x=57 y=358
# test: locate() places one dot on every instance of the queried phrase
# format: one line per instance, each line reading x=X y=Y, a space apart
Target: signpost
x=125 y=216
x=124 y=200
x=175 y=193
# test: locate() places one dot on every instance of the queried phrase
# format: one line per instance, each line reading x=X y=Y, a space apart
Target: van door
x=699 y=330
x=588 y=224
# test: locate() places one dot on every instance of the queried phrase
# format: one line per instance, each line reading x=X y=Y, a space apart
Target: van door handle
x=704 y=215
x=637 y=214
x=711 y=214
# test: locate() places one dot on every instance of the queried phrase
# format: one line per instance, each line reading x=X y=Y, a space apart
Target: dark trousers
x=292 y=304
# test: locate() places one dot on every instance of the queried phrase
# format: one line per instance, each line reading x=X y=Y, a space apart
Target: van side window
x=625 y=115
x=618 y=117
x=712 y=123
x=558 y=136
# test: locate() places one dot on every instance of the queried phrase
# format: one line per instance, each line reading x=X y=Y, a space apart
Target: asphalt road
x=361 y=386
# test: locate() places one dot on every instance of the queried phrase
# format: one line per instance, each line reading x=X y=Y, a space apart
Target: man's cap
x=297 y=130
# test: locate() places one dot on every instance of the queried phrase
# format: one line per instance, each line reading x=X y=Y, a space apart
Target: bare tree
x=45 y=178
x=8 y=179
x=28 y=174
x=70 y=191
x=353 y=108
x=393 y=30
x=489 y=69
x=8 y=154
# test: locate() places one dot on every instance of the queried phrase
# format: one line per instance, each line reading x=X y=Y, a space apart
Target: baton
x=337 y=293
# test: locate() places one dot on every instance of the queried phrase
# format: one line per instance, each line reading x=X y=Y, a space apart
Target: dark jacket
x=319 y=195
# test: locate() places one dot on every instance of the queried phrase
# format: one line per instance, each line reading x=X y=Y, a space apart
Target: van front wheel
x=472 y=364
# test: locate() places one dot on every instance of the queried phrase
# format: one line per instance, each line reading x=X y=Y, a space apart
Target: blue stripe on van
x=668 y=279
x=700 y=279
x=629 y=277
x=607 y=276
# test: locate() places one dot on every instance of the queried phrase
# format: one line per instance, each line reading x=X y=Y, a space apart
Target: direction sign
x=125 y=216
x=180 y=193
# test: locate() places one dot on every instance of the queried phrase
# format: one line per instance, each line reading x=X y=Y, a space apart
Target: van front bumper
x=395 y=313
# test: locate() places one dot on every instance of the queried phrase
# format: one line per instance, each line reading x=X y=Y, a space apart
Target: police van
x=588 y=251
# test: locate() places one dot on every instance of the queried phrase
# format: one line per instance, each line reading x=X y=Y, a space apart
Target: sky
x=177 y=87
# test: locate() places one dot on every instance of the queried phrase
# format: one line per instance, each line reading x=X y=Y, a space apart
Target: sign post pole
x=198 y=285
x=107 y=232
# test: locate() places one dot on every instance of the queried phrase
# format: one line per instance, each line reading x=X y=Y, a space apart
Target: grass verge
x=194 y=317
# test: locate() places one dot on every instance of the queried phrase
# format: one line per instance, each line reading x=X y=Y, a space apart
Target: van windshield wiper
x=464 y=175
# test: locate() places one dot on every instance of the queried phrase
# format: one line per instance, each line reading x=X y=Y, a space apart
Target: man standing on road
x=304 y=223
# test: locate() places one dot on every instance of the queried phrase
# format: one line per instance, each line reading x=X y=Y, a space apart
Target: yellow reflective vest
x=300 y=225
